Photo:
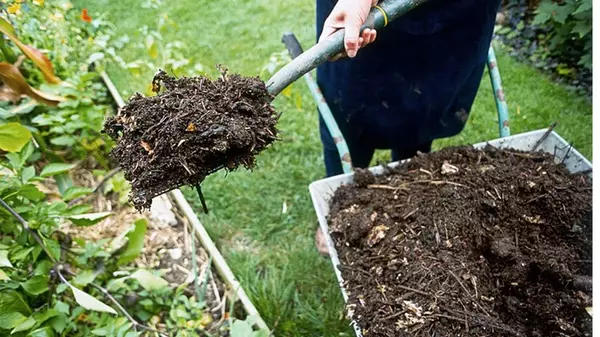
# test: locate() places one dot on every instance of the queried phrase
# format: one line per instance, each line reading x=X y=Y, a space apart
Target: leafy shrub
x=570 y=23
x=555 y=36
x=68 y=45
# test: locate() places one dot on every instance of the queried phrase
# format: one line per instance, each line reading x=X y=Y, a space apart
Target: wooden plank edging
x=218 y=260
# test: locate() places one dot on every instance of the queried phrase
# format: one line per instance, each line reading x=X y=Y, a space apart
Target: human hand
x=350 y=15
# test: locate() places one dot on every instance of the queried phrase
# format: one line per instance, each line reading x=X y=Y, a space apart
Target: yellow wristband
x=385 y=18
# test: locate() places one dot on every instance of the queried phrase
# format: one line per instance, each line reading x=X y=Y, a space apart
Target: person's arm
x=350 y=15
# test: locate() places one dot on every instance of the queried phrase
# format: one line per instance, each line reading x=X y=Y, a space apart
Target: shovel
x=379 y=17
x=303 y=62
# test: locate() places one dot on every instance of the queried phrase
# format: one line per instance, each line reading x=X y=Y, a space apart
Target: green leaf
x=75 y=192
x=53 y=246
x=31 y=192
x=21 y=253
x=84 y=278
x=582 y=28
x=43 y=120
x=541 y=18
x=90 y=75
x=4 y=262
x=64 y=182
x=79 y=209
x=117 y=283
x=27 y=173
x=585 y=5
x=64 y=140
x=544 y=12
x=11 y=301
x=13 y=136
x=36 y=253
x=36 y=285
x=43 y=267
x=41 y=317
x=135 y=243
x=101 y=331
x=240 y=329
x=61 y=288
x=88 y=219
x=24 y=326
x=90 y=303
x=9 y=320
x=62 y=307
x=55 y=168
x=3 y=276
x=59 y=323
x=24 y=108
x=562 y=13
x=14 y=160
x=42 y=332
x=148 y=280
x=27 y=152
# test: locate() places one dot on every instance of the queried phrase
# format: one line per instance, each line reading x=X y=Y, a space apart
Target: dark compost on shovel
x=466 y=242
x=191 y=129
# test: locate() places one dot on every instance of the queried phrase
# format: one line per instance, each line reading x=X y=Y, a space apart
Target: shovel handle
x=379 y=17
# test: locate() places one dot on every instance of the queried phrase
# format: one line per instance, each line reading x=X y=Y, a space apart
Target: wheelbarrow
x=321 y=191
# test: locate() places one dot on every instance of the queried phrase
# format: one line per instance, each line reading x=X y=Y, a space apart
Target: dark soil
x=193 y=128
x=465 y=242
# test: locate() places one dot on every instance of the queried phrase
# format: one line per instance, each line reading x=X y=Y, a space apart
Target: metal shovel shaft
x=380 y=16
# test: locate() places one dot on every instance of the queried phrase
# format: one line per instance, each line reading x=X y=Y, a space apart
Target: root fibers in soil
x=193 y=128
x=467 y=242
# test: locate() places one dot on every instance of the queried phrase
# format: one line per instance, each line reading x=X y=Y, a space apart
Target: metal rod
x=295 y=49
x=501 y=104
x=334 y=45
x=201 y=196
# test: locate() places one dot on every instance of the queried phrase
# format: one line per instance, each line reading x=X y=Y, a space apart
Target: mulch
x=466 y=242
x=191 y=129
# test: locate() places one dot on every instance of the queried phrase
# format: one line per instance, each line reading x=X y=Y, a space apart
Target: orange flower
x=85 y=16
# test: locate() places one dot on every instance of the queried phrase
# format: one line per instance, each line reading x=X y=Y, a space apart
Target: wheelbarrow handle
x=291 y=43
x=379 y=17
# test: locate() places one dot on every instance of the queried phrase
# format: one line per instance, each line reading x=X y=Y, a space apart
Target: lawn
x=263 y=221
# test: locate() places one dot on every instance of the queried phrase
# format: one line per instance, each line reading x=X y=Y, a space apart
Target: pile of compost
x=467 y=242
x=191 y=129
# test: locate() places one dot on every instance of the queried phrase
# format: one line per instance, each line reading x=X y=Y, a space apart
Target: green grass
x=271 y=252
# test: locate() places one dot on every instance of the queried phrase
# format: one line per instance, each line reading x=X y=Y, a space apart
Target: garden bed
x=464 y=242
x=167 y=248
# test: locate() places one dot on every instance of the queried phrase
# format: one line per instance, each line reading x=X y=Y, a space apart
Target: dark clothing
x=414 y=84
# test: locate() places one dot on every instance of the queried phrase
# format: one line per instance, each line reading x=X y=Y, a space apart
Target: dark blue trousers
x=415 y=84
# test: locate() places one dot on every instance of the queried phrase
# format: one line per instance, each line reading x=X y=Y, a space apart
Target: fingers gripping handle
x=387 y=11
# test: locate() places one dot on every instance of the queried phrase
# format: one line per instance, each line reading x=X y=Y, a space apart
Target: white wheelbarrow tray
x=321 y=191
